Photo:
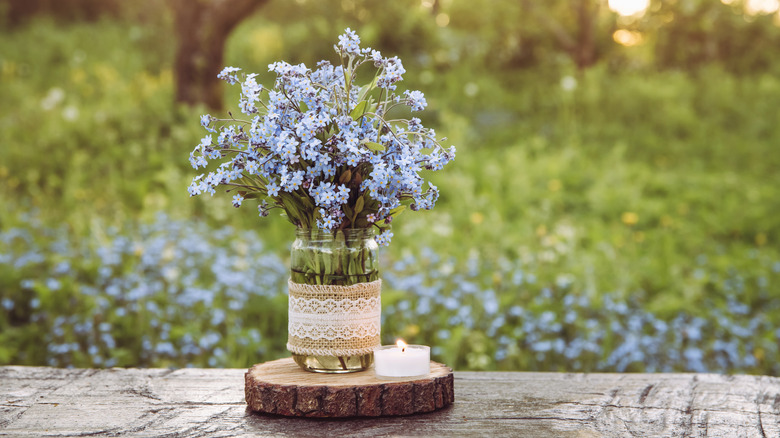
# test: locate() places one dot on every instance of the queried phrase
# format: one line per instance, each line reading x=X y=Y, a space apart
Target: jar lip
x=323 y=234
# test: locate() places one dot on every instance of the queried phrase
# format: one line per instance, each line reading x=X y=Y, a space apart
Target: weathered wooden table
x=210 y=402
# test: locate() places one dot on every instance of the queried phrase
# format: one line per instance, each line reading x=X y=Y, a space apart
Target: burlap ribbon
x=334 y=320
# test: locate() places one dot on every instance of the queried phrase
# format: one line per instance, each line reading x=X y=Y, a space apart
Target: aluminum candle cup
x=401 y=361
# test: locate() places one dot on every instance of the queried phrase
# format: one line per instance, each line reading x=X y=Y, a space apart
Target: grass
x=574 y=227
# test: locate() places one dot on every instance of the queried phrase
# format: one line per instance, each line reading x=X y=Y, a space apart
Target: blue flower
x=342 y=196
x=384 y=238
x=294 y=181
x=53 y=284
x=349 y=42
x=392 y=72
x=205 y=121
x=225 y=75
x=324 y=194
x=416 y=100
x=272 y=188
x=237 y=200
x=327 y=222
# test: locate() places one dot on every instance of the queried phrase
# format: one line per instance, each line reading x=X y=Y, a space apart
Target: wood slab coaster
x=281 y=387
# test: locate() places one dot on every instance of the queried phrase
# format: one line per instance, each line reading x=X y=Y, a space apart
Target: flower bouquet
x=330 y=154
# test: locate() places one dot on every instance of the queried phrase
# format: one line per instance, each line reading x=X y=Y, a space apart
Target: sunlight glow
x=628 y=8
x=627 y=38
x=755 y=7
x=442 y=20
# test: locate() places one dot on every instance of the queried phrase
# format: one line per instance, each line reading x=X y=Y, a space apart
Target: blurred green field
x=640 y=197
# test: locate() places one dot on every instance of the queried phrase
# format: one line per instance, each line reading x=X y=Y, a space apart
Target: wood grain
x=281 y=387
x=38 y=401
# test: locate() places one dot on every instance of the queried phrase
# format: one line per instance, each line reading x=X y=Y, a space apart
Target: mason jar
x=335 y=303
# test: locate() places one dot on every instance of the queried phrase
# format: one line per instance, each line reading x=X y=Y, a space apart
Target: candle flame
x=401 y=344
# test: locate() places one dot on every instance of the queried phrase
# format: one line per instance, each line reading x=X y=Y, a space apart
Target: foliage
x=704 y=33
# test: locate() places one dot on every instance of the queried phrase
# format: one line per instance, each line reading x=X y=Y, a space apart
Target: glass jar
x=339 y=258
x=343 y=257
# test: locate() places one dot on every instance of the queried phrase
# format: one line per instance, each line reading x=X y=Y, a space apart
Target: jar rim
x=319 y=233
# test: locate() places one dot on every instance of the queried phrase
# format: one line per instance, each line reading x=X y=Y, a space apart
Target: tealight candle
x=402 y=360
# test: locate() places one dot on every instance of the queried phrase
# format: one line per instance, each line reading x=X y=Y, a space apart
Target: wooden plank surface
x=210 y=402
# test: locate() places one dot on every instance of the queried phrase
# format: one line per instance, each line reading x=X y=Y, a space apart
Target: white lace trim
x=333 y=332
x=359 y=308
x=334 y=320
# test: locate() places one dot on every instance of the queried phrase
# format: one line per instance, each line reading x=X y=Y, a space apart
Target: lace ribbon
x=334 y=320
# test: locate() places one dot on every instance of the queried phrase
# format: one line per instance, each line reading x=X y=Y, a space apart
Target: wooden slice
x=281 y=387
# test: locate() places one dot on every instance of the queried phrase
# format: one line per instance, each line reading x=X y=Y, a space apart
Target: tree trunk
x=580 y=46
x=585 y=50
x=202 y=28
